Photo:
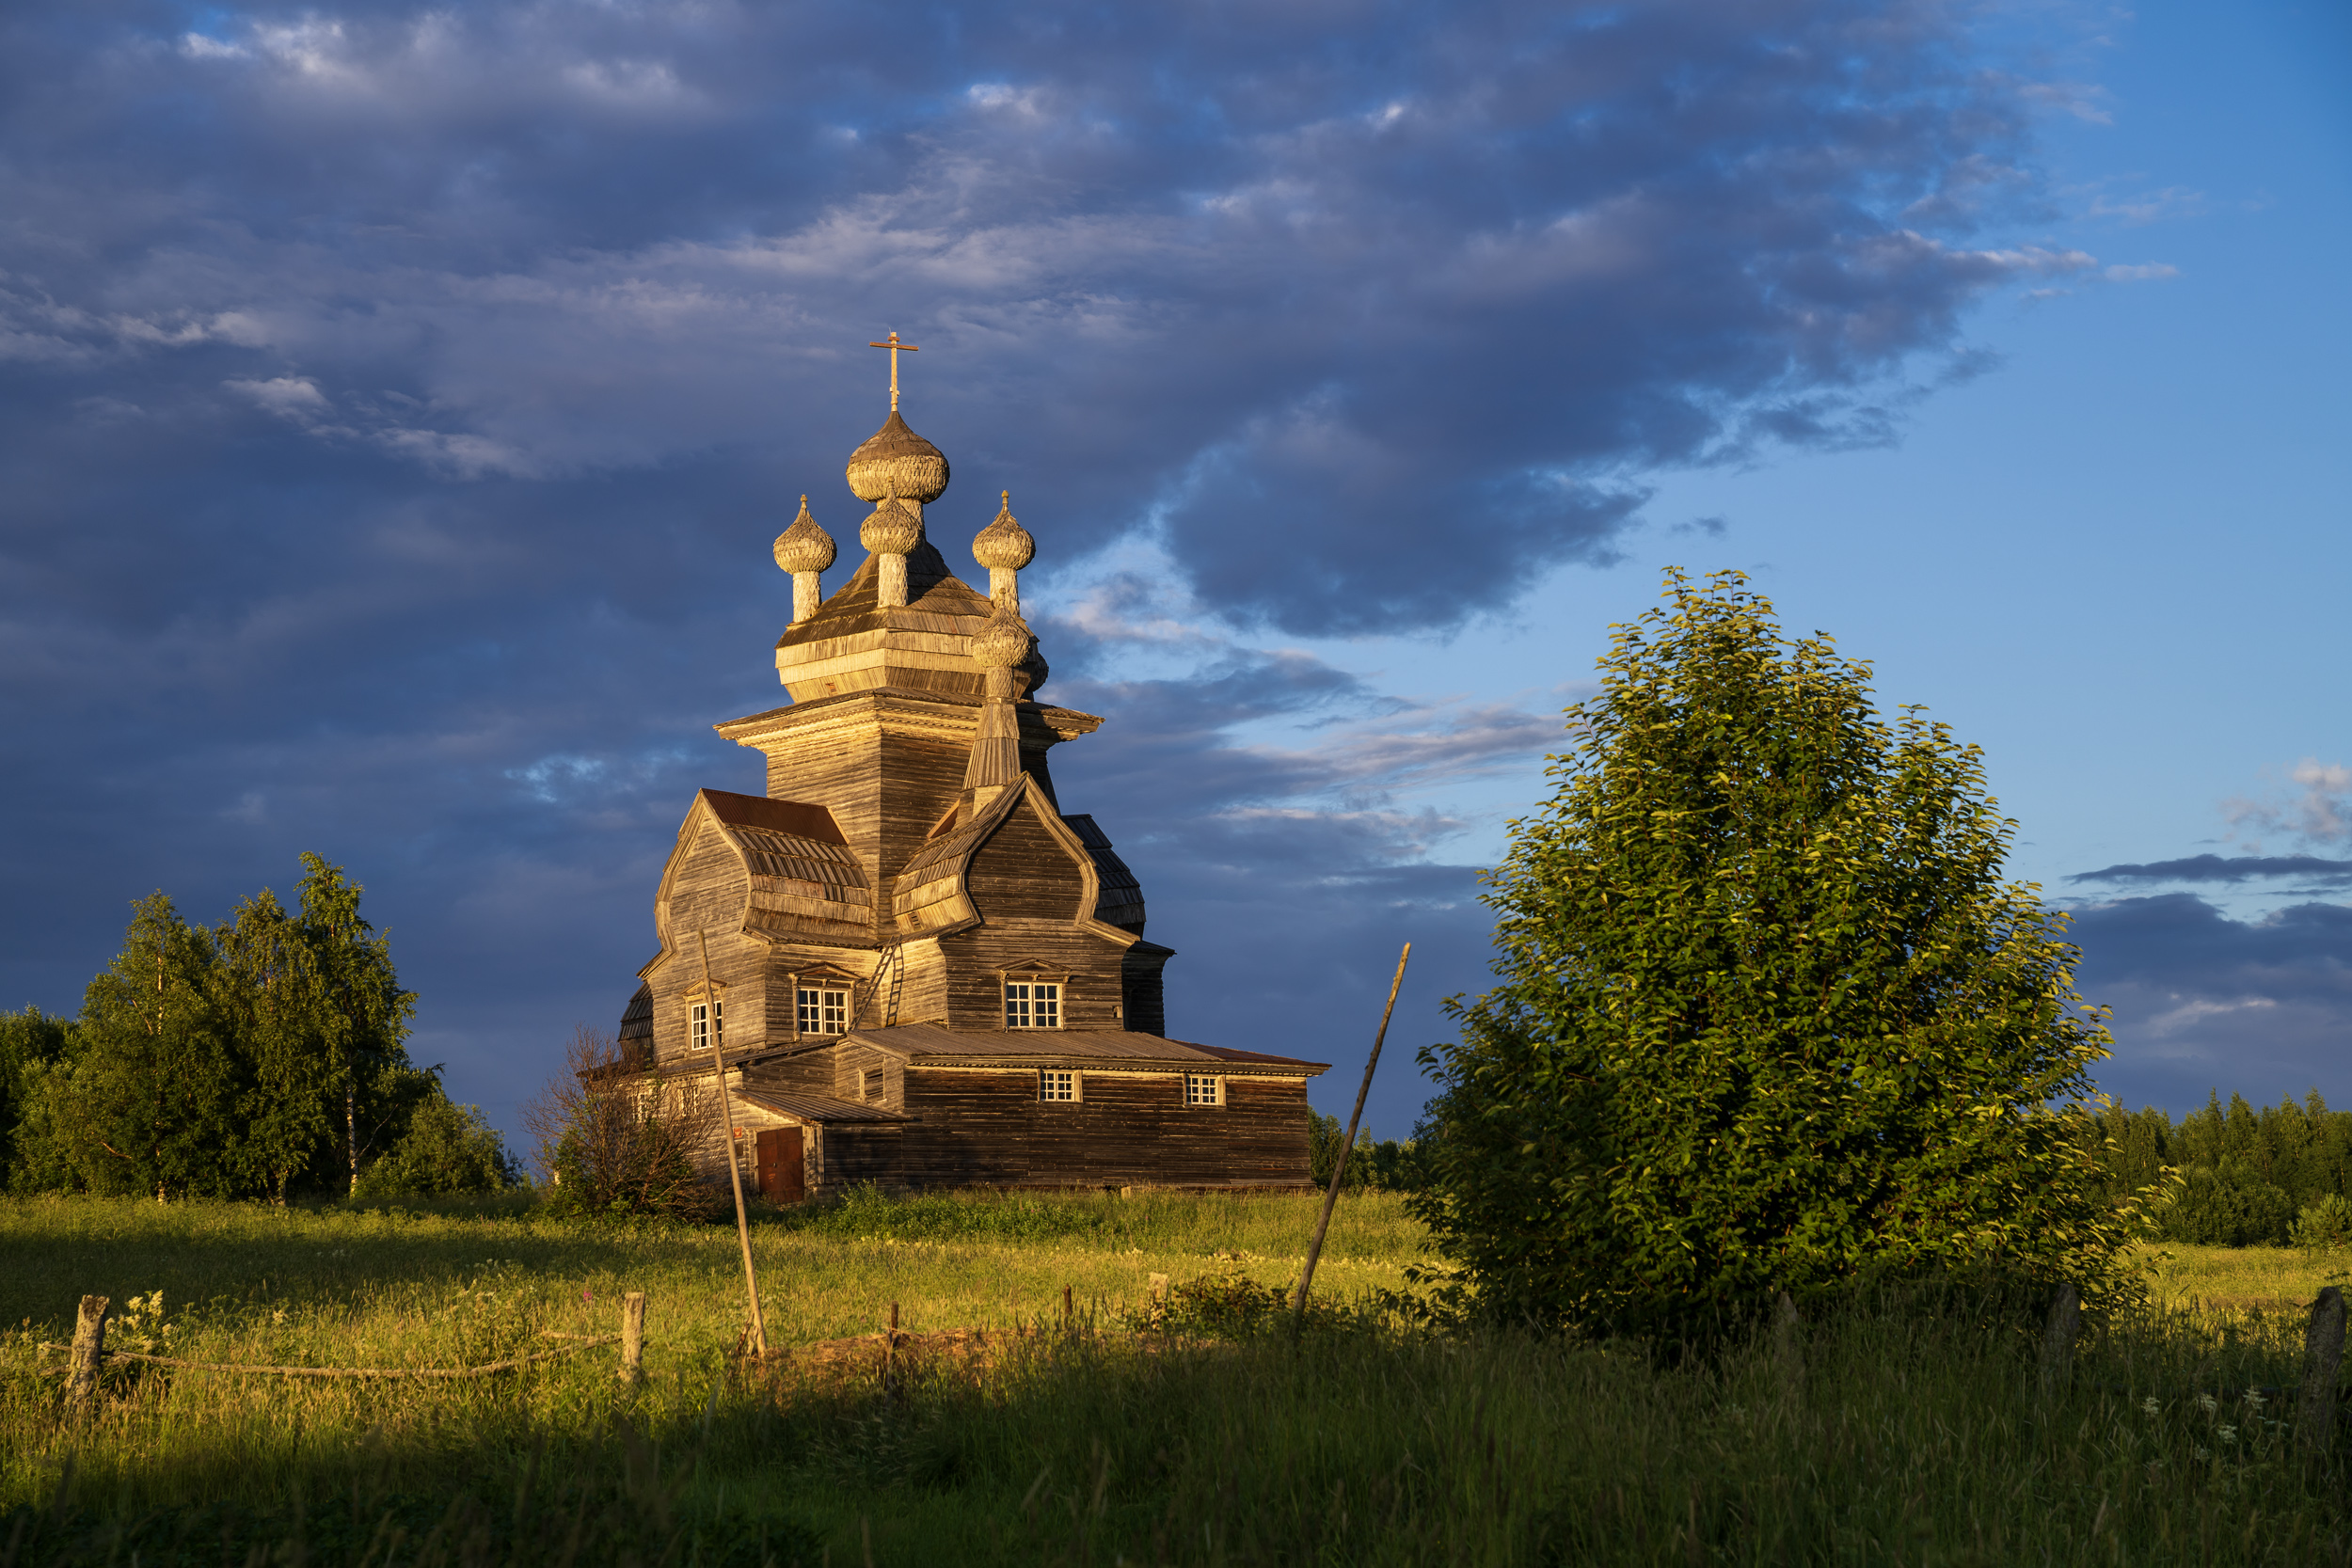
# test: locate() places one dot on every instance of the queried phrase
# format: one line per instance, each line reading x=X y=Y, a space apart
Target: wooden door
x=781 y=1178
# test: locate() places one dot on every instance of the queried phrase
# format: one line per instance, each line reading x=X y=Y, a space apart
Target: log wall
x=1093 y=993
x=708 y=892
x=1024 y=873
x=987 y=1126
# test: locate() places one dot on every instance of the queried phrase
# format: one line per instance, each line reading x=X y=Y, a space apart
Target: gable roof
x=929 y=1043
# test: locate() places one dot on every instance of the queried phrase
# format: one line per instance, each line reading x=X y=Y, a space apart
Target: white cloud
x=196 y=46
x=2141 y=272
x=291 y=397
x=2321 y=814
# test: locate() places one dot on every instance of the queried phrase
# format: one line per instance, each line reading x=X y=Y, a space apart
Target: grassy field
x=1909 y=1430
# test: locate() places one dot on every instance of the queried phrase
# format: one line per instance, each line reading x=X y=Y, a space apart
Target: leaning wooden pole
x=726 y=1142
x=1339 y=1166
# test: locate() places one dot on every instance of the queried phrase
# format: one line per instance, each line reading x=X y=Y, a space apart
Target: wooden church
x=910 y=966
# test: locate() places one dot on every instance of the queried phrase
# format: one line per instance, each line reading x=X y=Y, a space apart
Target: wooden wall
x=810 y=1072
x=987 y=1126
x=887 y=767
x=1093 y=995
x=1140 y=987
x=1024 y=873
x=882 y=1069
x=706 y=895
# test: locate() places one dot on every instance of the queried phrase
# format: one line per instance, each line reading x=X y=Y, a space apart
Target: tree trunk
x=351 y=1126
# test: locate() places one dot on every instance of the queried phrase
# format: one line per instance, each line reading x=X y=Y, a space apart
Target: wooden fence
x=89 y=1352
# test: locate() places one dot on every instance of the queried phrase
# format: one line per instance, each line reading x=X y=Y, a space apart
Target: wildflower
x=586 y=1297
x=2226 y=1433
x=2149 y=1405
x=2208 y=1404
x=2254 y=1397
x=2203 y=1452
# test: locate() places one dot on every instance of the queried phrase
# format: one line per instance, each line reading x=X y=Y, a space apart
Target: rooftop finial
x=805 y=550
x=894 y=346
x=1004 y=547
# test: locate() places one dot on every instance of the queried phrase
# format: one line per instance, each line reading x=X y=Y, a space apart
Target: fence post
x=1788 y=1352
x=2323 y=1359
x=2058 y=1342
x=633 y=1337
x=89 y=1343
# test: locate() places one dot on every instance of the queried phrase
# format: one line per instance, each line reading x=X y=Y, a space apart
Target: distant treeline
x=1386 y=1165
x=260 y=1057
x=2281 y=1174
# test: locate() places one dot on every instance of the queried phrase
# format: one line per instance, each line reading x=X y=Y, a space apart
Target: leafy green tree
x=31 y=1043
x=257 y=1057
x=447 y=1149
x=152 y=1104
x=1770 y=1018
x=362 y=1018
x=271 y=994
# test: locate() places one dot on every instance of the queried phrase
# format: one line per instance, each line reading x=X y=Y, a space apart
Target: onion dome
x=1002 y=644
x=1004 y=545
x=895 y=460
x=804 y=546
x=892 y=530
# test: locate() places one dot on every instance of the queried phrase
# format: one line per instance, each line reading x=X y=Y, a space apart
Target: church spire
x=1004 y=547
x=998 y=648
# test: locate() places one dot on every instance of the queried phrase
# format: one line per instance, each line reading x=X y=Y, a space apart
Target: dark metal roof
x=637 y=1019
x=815 y=1107
x=781 y=816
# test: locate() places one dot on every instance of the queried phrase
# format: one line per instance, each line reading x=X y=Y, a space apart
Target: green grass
x=1907 y=1429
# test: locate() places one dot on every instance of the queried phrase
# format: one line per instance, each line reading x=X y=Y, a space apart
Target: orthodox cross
x=894 y=346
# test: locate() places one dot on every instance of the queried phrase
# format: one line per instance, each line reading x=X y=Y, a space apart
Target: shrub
x=2324 y=1226
x=2232 y=1205
x=447 y=1150
x=615 y=1140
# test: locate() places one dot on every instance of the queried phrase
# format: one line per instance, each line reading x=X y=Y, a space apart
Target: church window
x=703 y=1019
x=1032 y=1004
x=824 y=1012
x=1203 y=1088
x=1054 y=1084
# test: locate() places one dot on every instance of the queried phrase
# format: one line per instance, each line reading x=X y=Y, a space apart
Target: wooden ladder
x=892 y=965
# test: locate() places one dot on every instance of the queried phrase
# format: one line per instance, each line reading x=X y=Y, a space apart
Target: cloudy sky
x=397 y=402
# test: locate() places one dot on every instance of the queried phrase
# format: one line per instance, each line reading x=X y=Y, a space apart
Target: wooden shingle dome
x=895 y=460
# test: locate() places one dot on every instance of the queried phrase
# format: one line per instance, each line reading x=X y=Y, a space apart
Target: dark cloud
x=2262 y=1008
x=2219 y=868
x=396 y=403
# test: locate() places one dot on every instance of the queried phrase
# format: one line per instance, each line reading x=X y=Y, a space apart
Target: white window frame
x=1038 y=1005
x=697 y=1020
x=829 y=1004
x=1057 y=1085
x=1203 y=1088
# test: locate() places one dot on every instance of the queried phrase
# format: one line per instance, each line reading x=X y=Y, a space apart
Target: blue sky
x=399 y=402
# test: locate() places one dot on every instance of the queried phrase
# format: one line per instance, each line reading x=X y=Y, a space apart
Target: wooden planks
x=1128 y=1128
